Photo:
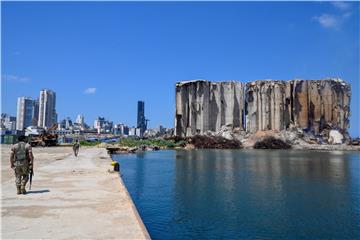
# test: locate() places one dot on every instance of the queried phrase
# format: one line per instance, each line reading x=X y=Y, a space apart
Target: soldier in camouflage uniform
x=76 y=147
x=21 y=160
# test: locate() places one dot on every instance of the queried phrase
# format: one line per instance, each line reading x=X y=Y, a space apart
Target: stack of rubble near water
x=311 y=107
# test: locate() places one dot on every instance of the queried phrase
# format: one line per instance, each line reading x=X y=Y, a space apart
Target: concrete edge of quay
x=134 y=209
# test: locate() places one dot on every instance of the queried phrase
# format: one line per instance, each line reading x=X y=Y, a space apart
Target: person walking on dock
x=76 y=147
x=22 y=161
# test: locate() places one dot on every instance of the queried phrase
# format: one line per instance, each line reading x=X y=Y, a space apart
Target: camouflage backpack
x=20 y=153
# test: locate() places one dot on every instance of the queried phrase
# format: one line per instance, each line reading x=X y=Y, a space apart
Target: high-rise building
x=35 y=119
x=138 y=132
x=8 y=122
x=25 y=113
x=68 y=123
x=132 y=131
x=99 y=122
x=47 y=109
x=141 y=120
x=80 y=119
x=125 y=130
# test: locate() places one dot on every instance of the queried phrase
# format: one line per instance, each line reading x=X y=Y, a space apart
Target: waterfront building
x=102 y=125
x=78 y=127
x=47 y=108
x=25 y=113
x=120 y=129
x=138 y=132
x=80 y=119
x=132 y=131
x=68 y=123
x=155 y=132
x=124 y=129
x=161 y=130
x=35 y=119
x=99 y=122
x=61 y=124
x=107 y=127
x=8 y=122
x=116 y=129
x=65 y=124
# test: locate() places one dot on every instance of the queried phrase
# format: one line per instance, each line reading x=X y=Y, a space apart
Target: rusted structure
x=45 y=138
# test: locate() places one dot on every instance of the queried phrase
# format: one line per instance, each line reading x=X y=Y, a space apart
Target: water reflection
x=140 y=170
x=246 y=194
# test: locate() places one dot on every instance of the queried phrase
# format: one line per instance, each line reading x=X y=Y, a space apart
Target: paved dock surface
x=71 y=198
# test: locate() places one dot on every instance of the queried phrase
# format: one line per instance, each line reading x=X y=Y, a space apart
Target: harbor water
x=245 y=194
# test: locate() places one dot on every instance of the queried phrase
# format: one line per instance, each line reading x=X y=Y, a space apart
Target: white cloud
x=328 y=20
x=91 y=90
x=335 y=21
x=341 y=5
x=14 y=78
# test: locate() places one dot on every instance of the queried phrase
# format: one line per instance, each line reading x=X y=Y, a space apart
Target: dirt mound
x=271 y=143
x=201 y=141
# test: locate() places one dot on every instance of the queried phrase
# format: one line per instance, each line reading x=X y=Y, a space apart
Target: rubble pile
x=203 y=141
x=271 y=143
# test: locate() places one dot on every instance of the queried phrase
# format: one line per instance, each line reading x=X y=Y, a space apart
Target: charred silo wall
x=262 y=105
x=203 y=105
x=266 y=106
x=317 y=104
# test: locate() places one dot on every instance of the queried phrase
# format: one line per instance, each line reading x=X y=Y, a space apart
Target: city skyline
x=41 y=112
x=28 y=113
x=101 y=58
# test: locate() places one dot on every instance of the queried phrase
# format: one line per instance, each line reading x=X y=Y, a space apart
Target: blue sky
x=101 y=58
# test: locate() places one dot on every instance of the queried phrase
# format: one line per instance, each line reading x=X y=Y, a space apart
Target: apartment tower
x=47 y=110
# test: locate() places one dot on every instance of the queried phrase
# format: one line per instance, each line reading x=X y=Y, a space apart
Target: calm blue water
x=237 y=194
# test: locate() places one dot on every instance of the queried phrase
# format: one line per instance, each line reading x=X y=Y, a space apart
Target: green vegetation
x=88 y=144
x=162 y=143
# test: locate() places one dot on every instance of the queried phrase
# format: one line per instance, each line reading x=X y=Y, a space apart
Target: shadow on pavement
x=38 y=191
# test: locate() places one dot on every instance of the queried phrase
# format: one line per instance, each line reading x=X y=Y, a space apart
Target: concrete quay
x=71 y=198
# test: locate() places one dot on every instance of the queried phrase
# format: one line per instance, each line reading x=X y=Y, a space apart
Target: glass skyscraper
x=141 y=121
x=25 y=112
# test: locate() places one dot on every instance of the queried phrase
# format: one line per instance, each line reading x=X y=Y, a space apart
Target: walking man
x=76 y=147
x=21 y=160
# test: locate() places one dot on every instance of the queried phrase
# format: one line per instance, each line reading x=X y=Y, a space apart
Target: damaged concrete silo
x=312 y=105
x=265 y=106
x=317 y=104
x=202 y=105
